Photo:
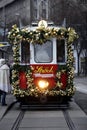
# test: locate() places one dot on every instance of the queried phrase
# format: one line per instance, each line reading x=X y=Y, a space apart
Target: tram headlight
x=43 y=84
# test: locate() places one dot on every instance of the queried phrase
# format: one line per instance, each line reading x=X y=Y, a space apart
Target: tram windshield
x=43 y=53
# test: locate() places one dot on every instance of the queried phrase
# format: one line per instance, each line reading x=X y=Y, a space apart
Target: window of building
x=35 y=1
x=43 y=9
x=44 y=13
x=83 y=1
x=25 y=52
x=35 y=13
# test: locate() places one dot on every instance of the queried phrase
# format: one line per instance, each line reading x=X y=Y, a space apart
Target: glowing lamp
x=43 y=84
x=42 y=24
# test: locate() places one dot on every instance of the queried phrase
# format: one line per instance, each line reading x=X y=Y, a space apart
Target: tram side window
x=25 y=52
x=60 y=51
x=43 y=53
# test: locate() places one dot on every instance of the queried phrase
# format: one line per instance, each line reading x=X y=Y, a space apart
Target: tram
x=43 y=70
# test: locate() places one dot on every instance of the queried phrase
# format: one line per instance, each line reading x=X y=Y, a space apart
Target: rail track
x=19 y=115
x=69 y=121
x=18 y=120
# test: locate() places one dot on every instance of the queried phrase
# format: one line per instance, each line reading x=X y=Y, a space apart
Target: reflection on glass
x=43 y=53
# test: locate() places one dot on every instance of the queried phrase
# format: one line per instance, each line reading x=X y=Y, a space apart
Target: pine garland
x=40 y=36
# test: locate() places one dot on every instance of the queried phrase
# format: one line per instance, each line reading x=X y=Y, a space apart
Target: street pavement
x=9 y=99
x=81 y=84
x=80 y=96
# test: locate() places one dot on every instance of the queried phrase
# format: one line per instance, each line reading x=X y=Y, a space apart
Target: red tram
x=43 y=63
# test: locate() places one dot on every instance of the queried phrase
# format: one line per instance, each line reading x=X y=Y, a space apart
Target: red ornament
x=22 y=80
x=64 y=80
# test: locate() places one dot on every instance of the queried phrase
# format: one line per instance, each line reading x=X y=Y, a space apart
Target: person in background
x=4 y=81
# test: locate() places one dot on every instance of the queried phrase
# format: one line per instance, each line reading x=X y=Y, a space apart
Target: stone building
x=25 y=12
x=12 y=12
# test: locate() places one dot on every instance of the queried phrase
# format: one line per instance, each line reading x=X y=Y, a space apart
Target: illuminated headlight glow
x=43 y=84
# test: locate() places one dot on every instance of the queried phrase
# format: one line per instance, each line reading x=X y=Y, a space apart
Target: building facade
x=25 y=12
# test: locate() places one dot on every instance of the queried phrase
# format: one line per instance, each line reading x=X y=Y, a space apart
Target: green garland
x=40 y=36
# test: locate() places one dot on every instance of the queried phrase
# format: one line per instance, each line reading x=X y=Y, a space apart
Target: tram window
x=60 y=51
x=25 y=52
x=43 y=53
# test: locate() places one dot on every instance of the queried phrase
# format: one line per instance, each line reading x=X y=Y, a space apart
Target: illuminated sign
x=44 y=70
